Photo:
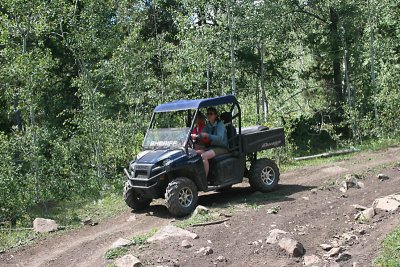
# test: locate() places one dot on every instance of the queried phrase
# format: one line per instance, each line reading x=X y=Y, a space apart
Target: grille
x=141 y=174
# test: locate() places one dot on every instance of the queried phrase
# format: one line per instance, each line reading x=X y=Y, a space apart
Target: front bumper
x=143 y=182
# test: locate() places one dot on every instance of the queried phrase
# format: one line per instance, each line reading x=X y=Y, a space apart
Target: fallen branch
x=328 y=154
x=211 y=223
x=14 y=229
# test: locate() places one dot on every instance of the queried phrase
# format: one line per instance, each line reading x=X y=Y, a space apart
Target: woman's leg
x=199 y=152
x=206 y=156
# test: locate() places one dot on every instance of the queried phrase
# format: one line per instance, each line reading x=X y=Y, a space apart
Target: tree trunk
x=231 y=44
x=372 y=59
x=262 y=83
x=336 y=58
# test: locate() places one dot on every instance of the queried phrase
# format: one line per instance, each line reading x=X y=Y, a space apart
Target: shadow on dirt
x=156 y=210
x=245 y=195
x=242 y=194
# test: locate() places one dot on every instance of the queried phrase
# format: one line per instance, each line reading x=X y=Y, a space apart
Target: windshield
x=172 y=137
x=168 y=129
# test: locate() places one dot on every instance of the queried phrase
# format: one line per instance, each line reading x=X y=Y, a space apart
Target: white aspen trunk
x=348 y=89
x=159 y=55
x=231 y=43
x=262 y=84
x=372 y=59
x=208 y=80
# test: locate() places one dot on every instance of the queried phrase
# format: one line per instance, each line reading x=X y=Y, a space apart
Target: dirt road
x=312 y=210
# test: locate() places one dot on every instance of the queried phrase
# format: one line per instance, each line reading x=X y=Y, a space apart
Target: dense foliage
x=79 y=80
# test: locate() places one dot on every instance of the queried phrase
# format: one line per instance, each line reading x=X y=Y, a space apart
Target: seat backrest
x=226 y=117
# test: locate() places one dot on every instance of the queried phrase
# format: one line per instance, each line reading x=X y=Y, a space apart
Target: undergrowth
x=67 y=214
x=390 y=252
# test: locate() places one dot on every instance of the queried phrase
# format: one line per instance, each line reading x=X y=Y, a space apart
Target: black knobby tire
x=181 y=196
x=264 y=175
x=134 y=200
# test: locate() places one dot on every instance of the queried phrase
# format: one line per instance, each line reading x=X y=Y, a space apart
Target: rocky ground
x=326 y=215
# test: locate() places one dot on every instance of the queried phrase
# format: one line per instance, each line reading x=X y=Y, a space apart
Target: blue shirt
x=216 y=133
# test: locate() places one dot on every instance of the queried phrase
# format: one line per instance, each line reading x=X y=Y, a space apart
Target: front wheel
x=264 y=175
x=135 y=200
x=181 y=196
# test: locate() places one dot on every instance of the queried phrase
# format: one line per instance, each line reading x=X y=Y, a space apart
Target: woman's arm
x=219 y=138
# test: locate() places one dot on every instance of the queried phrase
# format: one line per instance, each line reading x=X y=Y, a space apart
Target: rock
x=337 y=243
x=311 y=260
x=274 y=236
x=344 y=187
x=349 y=236
x=121 y=242
x=343 y=190
x=205 y=251
x=128 y=261
x=343 y=257
x=352 y=178
x=131 y=218
x=273 y=210
x=171 y=231
x=360 y=185
x=334 y=264
x=256 y=243
x=292 y=247
x=382 y=177
x=367 y=215
x=361 y=231
x=359 y=207
x=395 y=196
x=186 y=244
x=314 y=190
x=386 y=203
x=87 y=221
x=351 y=181
x=326 y=247
x=334 y=252
x=200 y=210
x=221 y=259
x=41 y=225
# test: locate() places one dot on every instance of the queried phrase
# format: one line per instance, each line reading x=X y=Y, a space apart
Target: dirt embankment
x=312 y=210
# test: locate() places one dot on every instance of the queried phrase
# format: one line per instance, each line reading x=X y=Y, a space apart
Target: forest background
x=80 y=78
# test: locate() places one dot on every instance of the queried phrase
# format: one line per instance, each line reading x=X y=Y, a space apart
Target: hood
x=154 y=156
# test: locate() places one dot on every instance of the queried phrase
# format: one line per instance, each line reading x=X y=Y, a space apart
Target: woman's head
x=212 y=114
x=200 y=118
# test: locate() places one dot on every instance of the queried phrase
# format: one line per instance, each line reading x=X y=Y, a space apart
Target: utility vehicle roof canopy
x=195 y=104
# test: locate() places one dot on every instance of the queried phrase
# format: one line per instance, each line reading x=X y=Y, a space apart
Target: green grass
x=376 y=144
x=196 y=219
x=390 y=253
x=369 y=145
x=142 y=239
x=313 y=162
x=137 y=240
x=67 y=214
x=9 y=239
x=71 y=213
x=116 y=253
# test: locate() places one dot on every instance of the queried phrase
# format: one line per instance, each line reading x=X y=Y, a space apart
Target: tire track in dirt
x=83 y=247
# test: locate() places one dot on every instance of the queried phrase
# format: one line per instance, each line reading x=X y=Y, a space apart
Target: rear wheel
x=264 y=175
x=181 y=196
x=135 y=200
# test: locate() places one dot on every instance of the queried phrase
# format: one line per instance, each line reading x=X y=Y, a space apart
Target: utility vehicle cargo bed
x=262 y=139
